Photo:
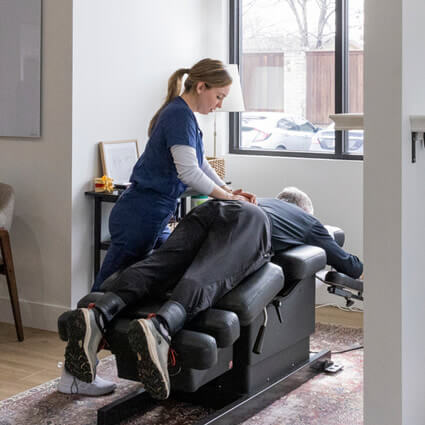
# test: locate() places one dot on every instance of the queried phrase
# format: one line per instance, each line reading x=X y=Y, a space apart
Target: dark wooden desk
x=99 y=198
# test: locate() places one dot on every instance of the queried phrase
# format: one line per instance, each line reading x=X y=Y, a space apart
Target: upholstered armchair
x=7 y=203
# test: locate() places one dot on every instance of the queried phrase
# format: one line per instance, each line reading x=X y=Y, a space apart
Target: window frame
x=341 y=86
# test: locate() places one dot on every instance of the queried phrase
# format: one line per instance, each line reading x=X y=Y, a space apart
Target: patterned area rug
x=326 y=399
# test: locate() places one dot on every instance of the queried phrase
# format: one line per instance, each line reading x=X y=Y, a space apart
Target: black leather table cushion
x=300 y=262
x=194 y=349
x=250 y=297
x=222 y=325
x=338 y=234
x=343 y=280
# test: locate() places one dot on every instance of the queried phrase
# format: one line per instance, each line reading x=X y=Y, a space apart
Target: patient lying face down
x=211 y=251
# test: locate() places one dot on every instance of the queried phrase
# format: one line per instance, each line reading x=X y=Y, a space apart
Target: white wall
x=394 y=212
x=124 y=53
x=413 y=214
x=40 y=172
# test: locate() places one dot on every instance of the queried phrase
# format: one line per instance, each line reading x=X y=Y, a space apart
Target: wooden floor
x=24 y=365
x=336 y=316
x=29 y=363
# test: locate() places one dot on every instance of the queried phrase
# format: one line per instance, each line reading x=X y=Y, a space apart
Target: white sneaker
x=69 y=384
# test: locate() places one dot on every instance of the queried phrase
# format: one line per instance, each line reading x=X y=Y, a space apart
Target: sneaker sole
x=77 y=361
x=91 y=393
x=148 y=365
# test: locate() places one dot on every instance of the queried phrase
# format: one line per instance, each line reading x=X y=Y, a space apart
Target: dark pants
x=213 y=249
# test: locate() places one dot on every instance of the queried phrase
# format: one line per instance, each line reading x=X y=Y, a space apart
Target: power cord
x=350 y=309
x=358 y=347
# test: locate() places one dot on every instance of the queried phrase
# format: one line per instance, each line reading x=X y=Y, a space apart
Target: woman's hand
x=240 y=198
x=250 y=197
x=224 y=192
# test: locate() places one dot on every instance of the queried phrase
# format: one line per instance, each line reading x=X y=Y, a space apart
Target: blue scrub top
x=155 y=170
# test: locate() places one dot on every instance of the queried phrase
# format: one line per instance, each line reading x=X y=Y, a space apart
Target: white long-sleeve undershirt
x=203 y=179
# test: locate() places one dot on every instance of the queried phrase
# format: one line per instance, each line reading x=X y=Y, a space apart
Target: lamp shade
x=233 y=102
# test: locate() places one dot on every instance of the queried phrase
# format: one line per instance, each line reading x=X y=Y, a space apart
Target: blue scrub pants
x=136 y=223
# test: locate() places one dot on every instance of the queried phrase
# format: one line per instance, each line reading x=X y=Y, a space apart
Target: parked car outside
x=326 y=139
x=276 y=131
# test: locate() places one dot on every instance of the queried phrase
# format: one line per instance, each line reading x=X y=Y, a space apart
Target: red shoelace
x=172 y=354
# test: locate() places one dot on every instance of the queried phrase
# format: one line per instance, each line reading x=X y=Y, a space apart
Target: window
x=299 y=61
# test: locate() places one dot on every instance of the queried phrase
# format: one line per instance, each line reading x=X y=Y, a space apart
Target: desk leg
x=97 y=226
x=182 y=207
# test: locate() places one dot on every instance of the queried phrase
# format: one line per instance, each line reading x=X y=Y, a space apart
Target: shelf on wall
x=347 y=121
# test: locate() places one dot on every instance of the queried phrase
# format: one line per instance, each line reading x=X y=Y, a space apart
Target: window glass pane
x=287 y=72
x=355 y=70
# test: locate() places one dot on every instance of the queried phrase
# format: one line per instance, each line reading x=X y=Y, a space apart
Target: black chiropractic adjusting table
x=244 y=353
x=241 y=355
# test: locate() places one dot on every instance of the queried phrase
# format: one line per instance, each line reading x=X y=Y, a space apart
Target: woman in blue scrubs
x=173 y=160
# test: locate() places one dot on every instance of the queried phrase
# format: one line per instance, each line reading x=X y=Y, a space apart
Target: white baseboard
x=34 y=315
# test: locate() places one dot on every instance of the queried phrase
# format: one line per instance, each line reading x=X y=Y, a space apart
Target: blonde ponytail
x=174 y=89
x=210 y=71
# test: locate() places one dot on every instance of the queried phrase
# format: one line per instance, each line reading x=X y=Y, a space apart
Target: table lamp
x=233 y=102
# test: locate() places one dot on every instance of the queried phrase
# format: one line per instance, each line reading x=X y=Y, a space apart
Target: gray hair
x=296 y=196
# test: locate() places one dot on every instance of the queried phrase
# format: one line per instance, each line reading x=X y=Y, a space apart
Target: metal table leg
x=97 y=231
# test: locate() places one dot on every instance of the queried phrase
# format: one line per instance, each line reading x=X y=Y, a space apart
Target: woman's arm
x=190 y=174
x=211 y=173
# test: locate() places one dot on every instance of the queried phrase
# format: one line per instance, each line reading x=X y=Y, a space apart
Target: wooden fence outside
x=320 y=85
x=251 y=62
x=320 y=93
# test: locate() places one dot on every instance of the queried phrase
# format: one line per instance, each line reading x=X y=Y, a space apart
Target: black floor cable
x=359 y=347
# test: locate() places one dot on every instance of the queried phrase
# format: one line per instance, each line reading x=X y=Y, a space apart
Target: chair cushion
x=249 y=298
x=7 y=203
x=300 y=262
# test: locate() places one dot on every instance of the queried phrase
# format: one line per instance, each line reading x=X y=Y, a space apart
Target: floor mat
x=326 y=399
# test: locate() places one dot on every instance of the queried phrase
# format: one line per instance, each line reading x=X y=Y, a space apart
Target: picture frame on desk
x=118 y=159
